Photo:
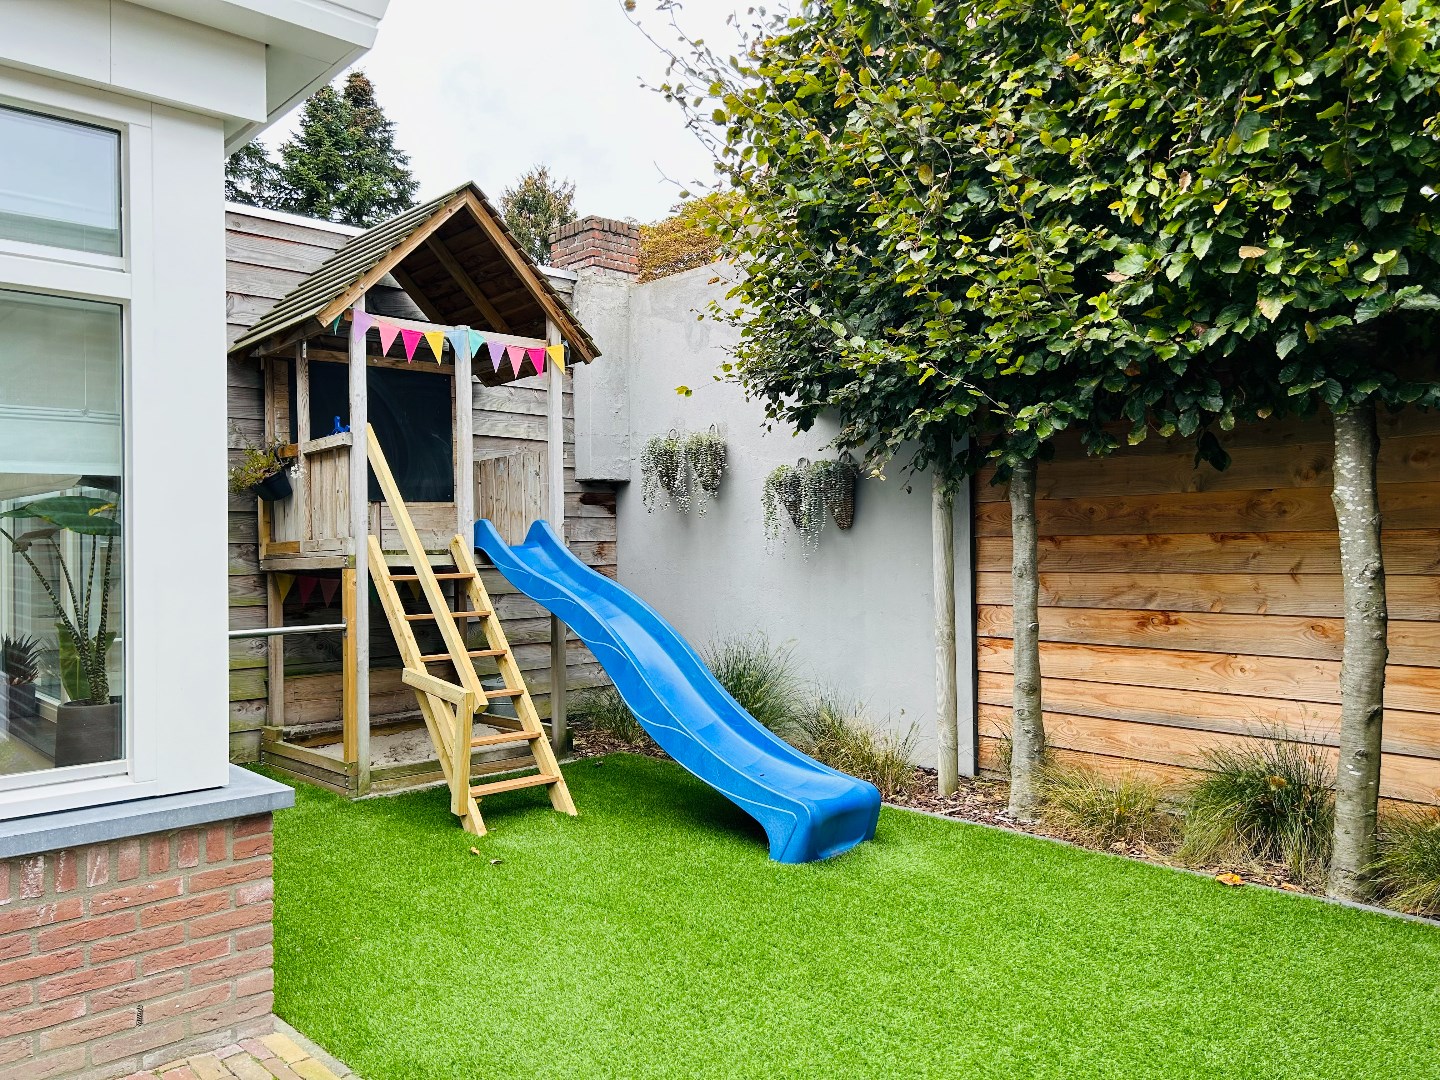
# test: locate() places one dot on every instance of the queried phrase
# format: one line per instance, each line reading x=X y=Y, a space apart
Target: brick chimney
x=602 y=243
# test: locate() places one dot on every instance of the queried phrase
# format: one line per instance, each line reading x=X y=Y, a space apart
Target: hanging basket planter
x=809 y=491
x=706 y=456
x=664 y=475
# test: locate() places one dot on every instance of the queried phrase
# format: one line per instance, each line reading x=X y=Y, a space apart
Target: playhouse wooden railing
x=450 y=707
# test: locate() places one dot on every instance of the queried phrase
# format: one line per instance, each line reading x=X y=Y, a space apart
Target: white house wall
x=858 y=612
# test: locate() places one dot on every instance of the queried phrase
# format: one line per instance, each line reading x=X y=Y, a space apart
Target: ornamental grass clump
x=761 y=676
x=1092 y=808
x=837 y=733
x=1406 y=874
x=1267 y=801
x=605 y=711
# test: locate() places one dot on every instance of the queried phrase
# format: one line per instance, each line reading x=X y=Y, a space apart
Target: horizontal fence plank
x=1412 y=643
x=1409 y=596
x=1404 y=506
x=1407 y=551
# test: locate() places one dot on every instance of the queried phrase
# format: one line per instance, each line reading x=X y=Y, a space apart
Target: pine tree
x=534 y=207
x=343 y=164
x=252 y=178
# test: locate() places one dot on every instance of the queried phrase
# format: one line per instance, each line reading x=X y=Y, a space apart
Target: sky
x=483 y=89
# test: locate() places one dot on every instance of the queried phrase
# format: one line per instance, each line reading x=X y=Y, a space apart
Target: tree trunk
x=1027 y=725
x=1362 y=664
x=947 y=699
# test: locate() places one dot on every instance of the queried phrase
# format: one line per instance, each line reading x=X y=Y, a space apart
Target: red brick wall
x=120 y=956
x=597 y=242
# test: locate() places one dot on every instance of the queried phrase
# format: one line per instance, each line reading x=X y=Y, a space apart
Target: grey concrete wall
x=859 y=612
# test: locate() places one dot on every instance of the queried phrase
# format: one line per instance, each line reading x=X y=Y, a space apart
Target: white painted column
x=555 y=514
x=464 y=444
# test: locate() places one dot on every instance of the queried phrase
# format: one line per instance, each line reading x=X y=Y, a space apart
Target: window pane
x=61 y=596
x=59 y=183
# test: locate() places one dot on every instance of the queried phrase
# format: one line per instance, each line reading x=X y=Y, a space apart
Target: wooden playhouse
x=463 y=436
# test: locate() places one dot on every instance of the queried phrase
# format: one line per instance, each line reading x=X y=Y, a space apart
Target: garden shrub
x=1268 y=801
x=1406 y=874
x=1094 y=808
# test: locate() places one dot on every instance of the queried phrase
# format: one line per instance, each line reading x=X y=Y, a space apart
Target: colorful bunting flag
x=361 y=321
x=517 y=357
x=307 y=588
x=388 y=333
x=283 y=583
x=497 y=353
x=537 y=358
x=436 y=340
x=557 y=355
x=477 y=339
x=411 y=340
x=328 y=588
x=460 y=343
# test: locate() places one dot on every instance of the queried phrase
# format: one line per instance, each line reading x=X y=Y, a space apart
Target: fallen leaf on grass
x=496 y=862
x=474 y=851
x=1289 y=886
x=1230 y=879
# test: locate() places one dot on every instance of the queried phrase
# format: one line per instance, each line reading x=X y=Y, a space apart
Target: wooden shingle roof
x=455 y=258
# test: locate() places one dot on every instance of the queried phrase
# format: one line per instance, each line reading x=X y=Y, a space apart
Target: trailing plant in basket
x=257 y=464
x=81 y=598
x=706 y=456
x=808 y=491
x=663 y=473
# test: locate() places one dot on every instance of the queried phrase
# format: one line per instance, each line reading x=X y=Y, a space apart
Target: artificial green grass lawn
x=651 y=937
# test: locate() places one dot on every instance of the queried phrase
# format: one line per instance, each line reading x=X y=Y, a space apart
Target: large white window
x=59 y=183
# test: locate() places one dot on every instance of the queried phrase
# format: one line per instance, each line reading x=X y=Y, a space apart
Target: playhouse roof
x=453 y=256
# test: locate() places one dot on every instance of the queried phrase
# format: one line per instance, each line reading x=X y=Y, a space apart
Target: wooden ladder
x=449 y=707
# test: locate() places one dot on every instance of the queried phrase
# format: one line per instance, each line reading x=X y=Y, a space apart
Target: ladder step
x=504 y=693
x=506 y=737
x=447 y=576
x=513 y=784
x=422 y=616
x=442 y=657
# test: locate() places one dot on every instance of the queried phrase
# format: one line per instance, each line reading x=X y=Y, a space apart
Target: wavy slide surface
x=808 y=810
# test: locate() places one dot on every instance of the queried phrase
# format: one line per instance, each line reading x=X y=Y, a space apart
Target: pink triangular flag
x=497 y=352
x=361 y=321
x=411 y=338
x=387 y=334
x=307 y=587
x=328 y=588
x=537 y=357
x=517 y=357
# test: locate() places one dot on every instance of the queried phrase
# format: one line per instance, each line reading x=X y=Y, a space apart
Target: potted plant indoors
x=261 y=471
x=88 y=727
x=20 y=667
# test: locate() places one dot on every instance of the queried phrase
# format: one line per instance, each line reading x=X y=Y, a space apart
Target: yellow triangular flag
x=283 y=583
x=414 y=587
x=436 y=338
x=556 y=354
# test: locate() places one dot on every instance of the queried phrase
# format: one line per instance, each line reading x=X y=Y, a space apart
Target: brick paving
x=273 y=1057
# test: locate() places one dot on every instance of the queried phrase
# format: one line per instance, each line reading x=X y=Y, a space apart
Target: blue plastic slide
x=809 y=810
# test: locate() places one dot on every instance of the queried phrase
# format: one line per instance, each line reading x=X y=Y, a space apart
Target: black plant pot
x=274 y=487
x=86 y=734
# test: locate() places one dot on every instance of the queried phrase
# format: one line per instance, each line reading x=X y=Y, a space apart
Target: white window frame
x=166 y=747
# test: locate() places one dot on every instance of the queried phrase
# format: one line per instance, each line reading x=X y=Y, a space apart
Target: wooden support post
x=275 y=656
x=464 y=444
x=302 y=436
x=555 y=514
x=349 y=712
x=947 y=697
x=358 y=623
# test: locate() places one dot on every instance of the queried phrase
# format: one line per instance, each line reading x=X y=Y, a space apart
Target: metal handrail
x=280 y=631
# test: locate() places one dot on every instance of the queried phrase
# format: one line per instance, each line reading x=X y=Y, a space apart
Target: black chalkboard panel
x=410 y=412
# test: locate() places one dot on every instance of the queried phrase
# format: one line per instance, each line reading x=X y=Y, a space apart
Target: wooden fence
x=1184 y=608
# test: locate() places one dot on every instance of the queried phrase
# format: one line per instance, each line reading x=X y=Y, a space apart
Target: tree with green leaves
x=251 y=177
x=1273 y=165
x=342 y=164
x=1178 y=217
x=535 y=206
